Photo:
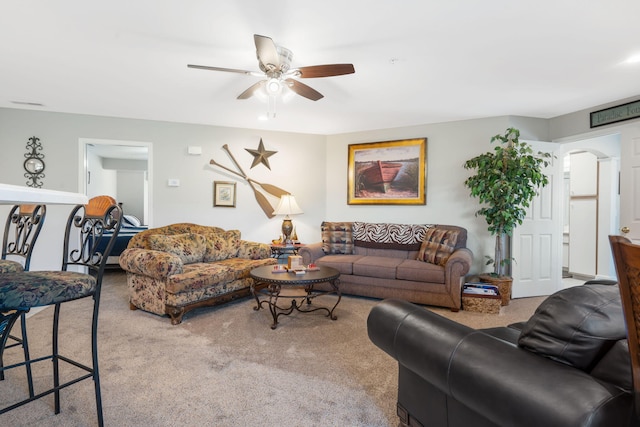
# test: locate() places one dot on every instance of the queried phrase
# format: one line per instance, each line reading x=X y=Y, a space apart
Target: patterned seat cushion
x=41 y=288
x=7 y=266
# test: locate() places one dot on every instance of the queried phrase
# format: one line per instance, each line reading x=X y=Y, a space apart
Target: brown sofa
x=424 y=264
x=177 y=268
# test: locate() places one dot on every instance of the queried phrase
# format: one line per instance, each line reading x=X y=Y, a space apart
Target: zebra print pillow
x=389 y=236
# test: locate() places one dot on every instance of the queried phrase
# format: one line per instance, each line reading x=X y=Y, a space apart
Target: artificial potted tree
x=506 y=181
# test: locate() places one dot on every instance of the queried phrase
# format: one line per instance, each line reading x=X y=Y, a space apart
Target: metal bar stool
x=21 y=231
x=81 y=277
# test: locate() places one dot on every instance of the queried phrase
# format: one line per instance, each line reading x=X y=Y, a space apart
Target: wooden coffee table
x=269 y=284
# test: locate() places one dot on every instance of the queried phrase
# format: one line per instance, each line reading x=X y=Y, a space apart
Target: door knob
x=625 y=230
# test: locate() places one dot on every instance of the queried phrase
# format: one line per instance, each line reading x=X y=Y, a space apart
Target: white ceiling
x=416 y=61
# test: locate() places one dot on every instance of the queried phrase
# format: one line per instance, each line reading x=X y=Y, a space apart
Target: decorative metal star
x=261 y=155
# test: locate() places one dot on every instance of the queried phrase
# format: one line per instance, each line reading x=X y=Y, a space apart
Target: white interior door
x=536 y=245
x=630 y=182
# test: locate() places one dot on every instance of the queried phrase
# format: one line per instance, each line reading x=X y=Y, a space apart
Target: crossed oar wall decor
x=260 y=197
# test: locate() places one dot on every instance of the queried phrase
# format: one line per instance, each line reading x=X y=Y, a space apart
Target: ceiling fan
x=274 y=62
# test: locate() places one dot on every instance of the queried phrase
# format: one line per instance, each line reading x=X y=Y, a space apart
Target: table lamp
x=287 y=206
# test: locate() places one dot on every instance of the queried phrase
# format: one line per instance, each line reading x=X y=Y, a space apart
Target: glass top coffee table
x=269 y=282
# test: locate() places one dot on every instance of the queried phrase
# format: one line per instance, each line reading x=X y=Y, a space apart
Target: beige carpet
x=222 y=366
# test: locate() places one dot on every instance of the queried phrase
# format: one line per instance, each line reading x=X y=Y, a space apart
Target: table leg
x=273 y=293
x=255 y=295
x=335 y=284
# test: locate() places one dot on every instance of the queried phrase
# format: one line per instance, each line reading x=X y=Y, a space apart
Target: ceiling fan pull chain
x=271 y=107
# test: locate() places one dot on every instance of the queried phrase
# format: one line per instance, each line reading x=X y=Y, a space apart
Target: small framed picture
x=224 y=194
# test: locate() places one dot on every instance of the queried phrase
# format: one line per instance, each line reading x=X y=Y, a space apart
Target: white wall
x=131 y=186
x=100 y=180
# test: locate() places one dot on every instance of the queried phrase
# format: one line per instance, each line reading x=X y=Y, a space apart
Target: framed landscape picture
x=387 y=173
x=224 y=194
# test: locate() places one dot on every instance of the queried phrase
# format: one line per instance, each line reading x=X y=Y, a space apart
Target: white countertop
x=18 y=194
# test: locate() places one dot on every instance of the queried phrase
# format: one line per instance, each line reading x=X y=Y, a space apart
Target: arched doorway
x=590 y=206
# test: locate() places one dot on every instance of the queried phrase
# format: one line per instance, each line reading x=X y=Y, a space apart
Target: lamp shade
x=287 y=206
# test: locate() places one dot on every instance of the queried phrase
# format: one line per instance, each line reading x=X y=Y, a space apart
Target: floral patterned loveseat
x=177 y=268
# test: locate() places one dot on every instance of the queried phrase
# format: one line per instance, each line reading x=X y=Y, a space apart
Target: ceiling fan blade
x=266 y=52
x=326 y=70
x=304 y=90
x=228 y=70
x=252 y=89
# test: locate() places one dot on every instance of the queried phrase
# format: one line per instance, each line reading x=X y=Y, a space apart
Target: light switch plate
x=194 y=150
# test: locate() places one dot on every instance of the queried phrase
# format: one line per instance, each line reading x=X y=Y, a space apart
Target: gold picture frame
x=387 y=173
x=224 y=194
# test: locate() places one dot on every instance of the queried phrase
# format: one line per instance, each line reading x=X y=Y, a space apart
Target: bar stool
x=21 y=231
x=80 y=277
x=626 y=256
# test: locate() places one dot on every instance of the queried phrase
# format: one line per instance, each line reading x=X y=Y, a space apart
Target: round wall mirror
x=34 y=165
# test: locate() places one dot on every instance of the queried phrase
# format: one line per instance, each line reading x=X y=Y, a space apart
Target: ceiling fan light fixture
x=273 y=86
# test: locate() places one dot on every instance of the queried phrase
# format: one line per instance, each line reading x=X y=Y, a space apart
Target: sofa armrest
x=147 y=262
x=254 y=250
x=416 y=337
x=310 y=253
x=505 y=384
x=456 y=268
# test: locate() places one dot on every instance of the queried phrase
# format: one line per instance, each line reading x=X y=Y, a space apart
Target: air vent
x=31 y=104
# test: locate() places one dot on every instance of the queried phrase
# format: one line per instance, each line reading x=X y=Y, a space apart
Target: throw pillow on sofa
x=438 y=245
x=189 y=247
x=386 y=235
x=221 y=246
x=337 y=237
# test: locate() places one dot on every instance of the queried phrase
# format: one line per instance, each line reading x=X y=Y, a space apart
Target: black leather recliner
x=568 y=365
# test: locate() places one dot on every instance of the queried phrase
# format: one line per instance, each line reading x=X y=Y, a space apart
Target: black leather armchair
x=567 y=366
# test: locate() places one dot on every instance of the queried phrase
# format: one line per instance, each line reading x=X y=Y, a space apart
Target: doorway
x=591 y=206
x=537 y=242
x=121 y=169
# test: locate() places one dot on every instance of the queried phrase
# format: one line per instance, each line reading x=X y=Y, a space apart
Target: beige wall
x=313 y=167
x=298 y=166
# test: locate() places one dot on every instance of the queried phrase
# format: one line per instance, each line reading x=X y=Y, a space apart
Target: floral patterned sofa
x=177 y=268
